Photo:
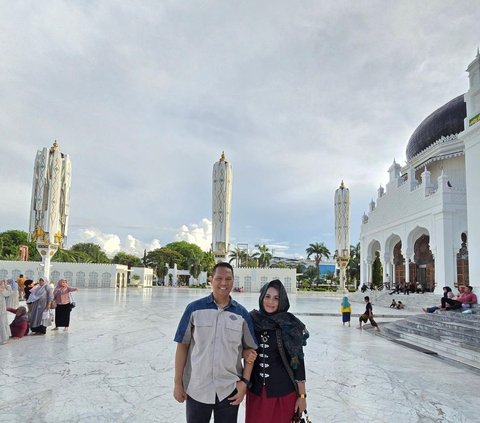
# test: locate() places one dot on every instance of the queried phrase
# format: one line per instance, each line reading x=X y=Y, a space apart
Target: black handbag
x=301 y=418
x=72 y=303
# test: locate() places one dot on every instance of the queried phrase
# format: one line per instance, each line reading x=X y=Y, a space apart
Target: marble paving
x=116 y=365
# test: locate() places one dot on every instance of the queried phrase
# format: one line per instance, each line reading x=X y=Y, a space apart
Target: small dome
x=447 y=120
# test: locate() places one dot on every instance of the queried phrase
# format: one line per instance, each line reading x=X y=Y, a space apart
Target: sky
x=144 y=97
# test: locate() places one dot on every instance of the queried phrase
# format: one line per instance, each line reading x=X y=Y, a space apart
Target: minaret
x=50 y=202
x=342 y=231
x=221 y=207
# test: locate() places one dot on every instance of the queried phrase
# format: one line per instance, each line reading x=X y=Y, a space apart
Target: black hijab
x=293 y=332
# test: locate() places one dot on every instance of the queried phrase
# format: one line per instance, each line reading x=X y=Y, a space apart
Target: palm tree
x=239 y=255
x=263 y=255
x=318 y=250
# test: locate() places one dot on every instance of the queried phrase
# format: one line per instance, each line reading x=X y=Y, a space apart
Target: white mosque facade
x=424 y=224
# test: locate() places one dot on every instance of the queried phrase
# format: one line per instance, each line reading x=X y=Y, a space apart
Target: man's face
x=222 y=283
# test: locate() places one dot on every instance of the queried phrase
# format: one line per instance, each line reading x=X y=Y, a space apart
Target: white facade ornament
x=50 y=202
x=221 y=208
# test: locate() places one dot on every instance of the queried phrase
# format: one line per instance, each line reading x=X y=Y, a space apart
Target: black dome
x=447 y=120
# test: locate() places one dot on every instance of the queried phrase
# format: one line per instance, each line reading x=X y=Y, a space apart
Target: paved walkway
x=116 y=365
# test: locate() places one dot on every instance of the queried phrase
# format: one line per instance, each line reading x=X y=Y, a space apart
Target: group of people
x=37 y=313
x=413 y=287
x=215 y=333
x=463 y=300
x=397 y=304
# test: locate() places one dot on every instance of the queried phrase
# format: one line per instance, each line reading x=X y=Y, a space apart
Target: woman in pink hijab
x=61 y=295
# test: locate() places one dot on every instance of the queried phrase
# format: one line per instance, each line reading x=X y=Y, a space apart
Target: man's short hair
x=367 y=298
x=222 y=264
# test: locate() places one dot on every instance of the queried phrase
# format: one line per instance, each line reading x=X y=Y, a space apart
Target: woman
x=12 y=300
x=5 y=292
x=346 y=310
x=61 y=295
x=277 y=389
x=19 y=326
x=39 y=300
x=447 y=293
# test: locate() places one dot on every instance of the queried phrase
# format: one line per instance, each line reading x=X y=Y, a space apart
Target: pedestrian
x=62 y=298
x=12 y=300
x=278 y=391
x=211 y=337
x=346 y=310
x=368 y=315
x=5 y=292
x=19 y=326
x=39 y=299
x=21 y=286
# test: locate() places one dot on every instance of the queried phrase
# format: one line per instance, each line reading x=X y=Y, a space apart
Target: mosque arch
x=391 y=274
x=422 y=270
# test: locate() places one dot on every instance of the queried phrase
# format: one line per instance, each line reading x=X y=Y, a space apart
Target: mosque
x=424 y=224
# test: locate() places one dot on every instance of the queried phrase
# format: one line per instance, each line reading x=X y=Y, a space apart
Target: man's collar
x=231 y=301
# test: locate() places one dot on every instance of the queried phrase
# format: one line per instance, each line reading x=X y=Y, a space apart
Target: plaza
x=116 y=365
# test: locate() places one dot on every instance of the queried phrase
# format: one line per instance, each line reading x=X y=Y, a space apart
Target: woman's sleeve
x=71 y=289
x=299 y=372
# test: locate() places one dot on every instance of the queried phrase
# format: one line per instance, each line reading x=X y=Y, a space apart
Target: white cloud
x=112 y=244
x=199 y=234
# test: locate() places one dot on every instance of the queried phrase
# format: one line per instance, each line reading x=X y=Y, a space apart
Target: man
x=368 y=315
x=211 y=336
x=465 y=299
x=21 y=287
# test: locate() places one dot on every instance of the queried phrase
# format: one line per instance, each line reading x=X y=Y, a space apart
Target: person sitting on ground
x=394 y=304
x=447 y=293
x=19 y=326
x=396 y=289
x=465 y=300
x=364 y=288
x=400 y=305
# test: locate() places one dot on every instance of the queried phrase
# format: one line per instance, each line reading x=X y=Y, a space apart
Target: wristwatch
x=245 y=381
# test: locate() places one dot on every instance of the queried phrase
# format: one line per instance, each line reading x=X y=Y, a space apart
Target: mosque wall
x=81 y=275
x=252 y=279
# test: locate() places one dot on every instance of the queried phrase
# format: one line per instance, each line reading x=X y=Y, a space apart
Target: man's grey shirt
x=216 y=339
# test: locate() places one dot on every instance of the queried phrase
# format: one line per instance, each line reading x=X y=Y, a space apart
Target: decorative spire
x=54 y=147
x=222 y=157
x=342 y=186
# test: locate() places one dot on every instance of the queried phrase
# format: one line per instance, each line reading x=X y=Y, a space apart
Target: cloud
x=199 y=234
x=112 y=244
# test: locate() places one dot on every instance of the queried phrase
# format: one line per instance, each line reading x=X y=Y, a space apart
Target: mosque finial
x=54 y=146
x=222 y=157
x=342 y=186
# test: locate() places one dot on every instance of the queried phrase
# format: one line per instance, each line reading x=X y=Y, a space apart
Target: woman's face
x=41 y=281
x=271 y=300
x=63 y=283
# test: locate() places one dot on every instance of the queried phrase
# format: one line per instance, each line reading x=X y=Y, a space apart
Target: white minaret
x=471 y=137
x=342 y=231
x=50 y=202
x=221 y=206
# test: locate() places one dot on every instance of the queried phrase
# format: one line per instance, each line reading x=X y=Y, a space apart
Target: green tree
x=240 y=257
x=64 y=255
x=187 y=250
x=377 y=270
x=318 y=250
x=353 y=267
x=263 y=255
x=127 y=259
x=159 y=259
x=93 y=251
x=10 y=241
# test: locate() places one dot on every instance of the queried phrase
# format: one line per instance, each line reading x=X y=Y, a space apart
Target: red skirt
x=263 y=409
